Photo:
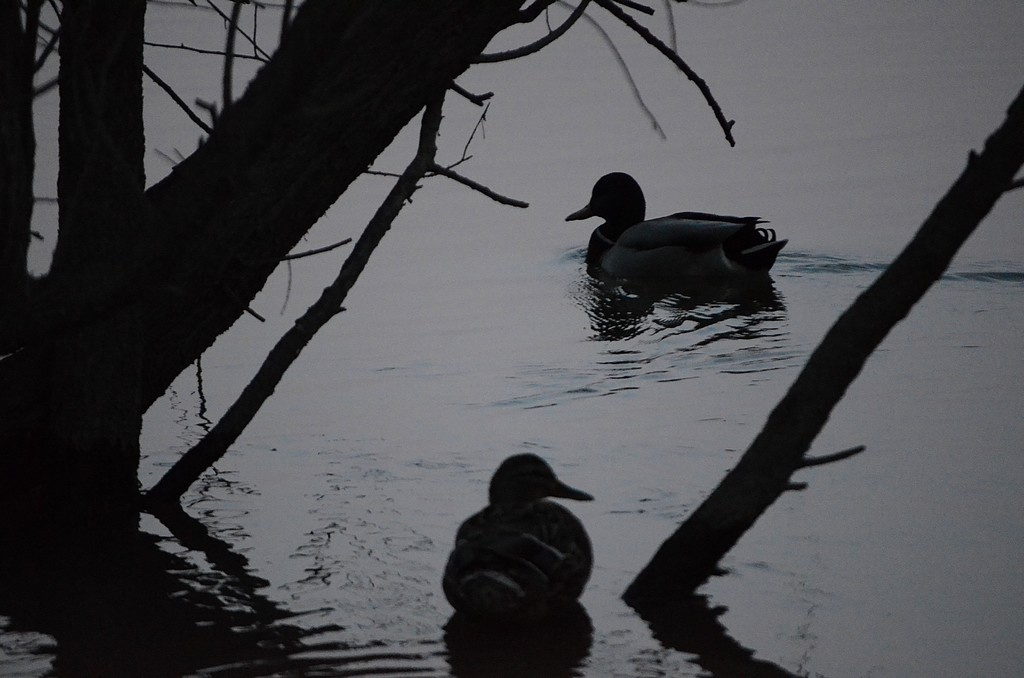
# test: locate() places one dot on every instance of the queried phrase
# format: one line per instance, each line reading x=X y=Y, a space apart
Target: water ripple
x=813 y=263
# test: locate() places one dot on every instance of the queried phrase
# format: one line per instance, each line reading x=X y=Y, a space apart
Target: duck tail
x=754 y=248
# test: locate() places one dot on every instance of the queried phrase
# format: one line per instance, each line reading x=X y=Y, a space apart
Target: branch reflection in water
x=694 y=629
x=129 y=607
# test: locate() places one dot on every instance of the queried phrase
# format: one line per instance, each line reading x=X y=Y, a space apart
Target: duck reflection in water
x=556 y=647
x=623 y=309
x=522 y=559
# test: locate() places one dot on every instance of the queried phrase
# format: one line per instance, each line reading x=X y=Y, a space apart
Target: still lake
x=476 y=333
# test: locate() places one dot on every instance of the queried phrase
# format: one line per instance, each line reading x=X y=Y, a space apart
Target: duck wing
x=693 y=231
x=516 y=563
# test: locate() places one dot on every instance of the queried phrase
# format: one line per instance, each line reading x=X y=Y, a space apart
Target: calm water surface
x=476 y=334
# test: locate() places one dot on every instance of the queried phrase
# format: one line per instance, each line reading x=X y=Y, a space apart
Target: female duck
x=679 y=245
x=521 y=558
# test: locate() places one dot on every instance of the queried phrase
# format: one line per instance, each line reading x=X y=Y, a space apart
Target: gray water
x=476 y=333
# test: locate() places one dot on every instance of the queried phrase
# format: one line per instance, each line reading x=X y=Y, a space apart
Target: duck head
x=523 y=478
x=618 y=198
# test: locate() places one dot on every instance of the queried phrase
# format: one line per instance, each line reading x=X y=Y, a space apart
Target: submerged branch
x=691 y=555
x=213 y=446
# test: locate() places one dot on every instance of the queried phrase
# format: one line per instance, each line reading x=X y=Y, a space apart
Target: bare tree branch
x=478 y=125
x=318 y=250
x=539 y=44
x=177 y=99
x=635 y=5
x=617 y=12
x=199 y=50
x=259 y=51
x=227 y=95
x=629 y=76
x=480 y=188
x=478 y=99
x=47 y=50
x=40 y=90
x=533 y=11
x=213 y=446
x=286 y=16
x=673 y=38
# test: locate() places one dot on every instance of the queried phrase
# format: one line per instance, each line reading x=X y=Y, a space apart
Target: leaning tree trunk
x=691 y=555
x=142 y=285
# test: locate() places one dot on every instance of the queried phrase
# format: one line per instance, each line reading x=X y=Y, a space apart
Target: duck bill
x=563 y=491
x=584 y=213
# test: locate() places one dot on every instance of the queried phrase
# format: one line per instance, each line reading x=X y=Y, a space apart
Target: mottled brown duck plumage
x=522 y=557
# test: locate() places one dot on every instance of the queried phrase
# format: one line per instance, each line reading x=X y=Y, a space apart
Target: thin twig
x=170 y=160
x=210 y=108
x=178 y=100
x=254 y=314
x=255 y=26
x=199 y=50
x=47 y=50
x=533 y=11
x=539 y=44
x=480 y=188
x=42 y=89
x=617 y=12
x=629 y=76
x=478 y=99
x=673 y=37
x=58 y=10
x=286 y=16
x=318 y=250
x=478 y=125
x=636 y=5
x=229 y=56
x=261 y=54
x=381 y=173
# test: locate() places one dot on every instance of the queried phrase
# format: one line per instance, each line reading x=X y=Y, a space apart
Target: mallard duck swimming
x=521 y=558
x=679 y=245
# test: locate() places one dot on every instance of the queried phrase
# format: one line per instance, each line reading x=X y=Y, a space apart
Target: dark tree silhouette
x=144 y=280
